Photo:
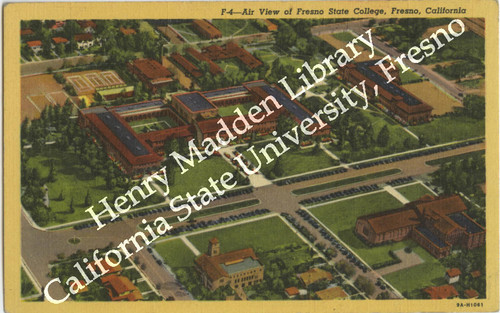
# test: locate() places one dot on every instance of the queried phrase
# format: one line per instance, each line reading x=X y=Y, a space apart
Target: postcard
x=251 y=156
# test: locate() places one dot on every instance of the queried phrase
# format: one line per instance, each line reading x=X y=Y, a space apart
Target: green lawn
x=235 y=27
x=266 y=55
x=143 y=286
x=344 y=36
x=449 y=128
x=175 y=253
x=229 y=110
x=413 y=279
x=198 y=176
x=265 y=235
x=409 y=76
x=27 y=287
x=187 y=31
x=341 y=216
x=413 y=192
x=167 y=119
x=346 y=181
x=293 y=162
x=230 y=65
x=74 y=183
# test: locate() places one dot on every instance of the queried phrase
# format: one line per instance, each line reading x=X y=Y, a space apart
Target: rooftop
x=313 y=275
x=195 y=101
x=441 y=292
x=453 y=272
x=151 y=68
x=212 y=265
x=333 y=293
x=240 y=265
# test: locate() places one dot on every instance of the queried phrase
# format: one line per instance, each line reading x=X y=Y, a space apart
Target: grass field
x=187 y=31
x=429 y=93
x=449 y=128
x=27 y=287
x=197 y=177
x=152 y=124
x=294 y=162
x=341 y=216
x=74 y=182
x=266 y=55
x=345 y=181
x=235 y=27
x=175 y=253
x=413 y=192
x=229 y=110
x=412 y=280
x=266 y=234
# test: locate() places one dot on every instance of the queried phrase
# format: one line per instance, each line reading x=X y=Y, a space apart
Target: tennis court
x=87 y=82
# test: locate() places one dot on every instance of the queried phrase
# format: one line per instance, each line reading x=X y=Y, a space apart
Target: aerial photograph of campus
x=127 y=193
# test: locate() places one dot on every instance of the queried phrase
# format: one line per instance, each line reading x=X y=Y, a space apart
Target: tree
x=88 y=198
x=71 y=207
x=365 y=285
x=383 y=137
x=61 y=196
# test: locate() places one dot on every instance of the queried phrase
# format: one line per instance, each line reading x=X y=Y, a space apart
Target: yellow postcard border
x=14 y=13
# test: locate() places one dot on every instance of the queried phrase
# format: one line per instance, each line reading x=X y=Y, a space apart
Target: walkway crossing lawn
x=264 y=235
x=236 y=27
x=292 y=162
x=345 y=181
x=413 y=192
x=197 y=177
x=449 y=128
x=229 y=110
x=341 y=216
x=175 y=253
x=74 y=183
x=413 y=279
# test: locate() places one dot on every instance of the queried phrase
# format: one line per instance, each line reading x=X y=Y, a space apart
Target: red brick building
x=206 y=29
x=152 y=74
x=436 y=223
x=407 y=106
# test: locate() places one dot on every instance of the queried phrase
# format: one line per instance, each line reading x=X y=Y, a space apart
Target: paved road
x=40 y=247
x=40 y=67
x=358 y=27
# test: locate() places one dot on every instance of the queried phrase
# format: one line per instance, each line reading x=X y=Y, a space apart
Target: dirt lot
x=37 y=92
x=429 y=93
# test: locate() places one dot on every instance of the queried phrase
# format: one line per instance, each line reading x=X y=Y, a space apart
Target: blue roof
x=136 y=106
x=463 y=221
x=364 y=68
x=195 y=102
x=433 y=238
x=222 y=92
x=291 y=106
x=123 y=134
x=246 y=264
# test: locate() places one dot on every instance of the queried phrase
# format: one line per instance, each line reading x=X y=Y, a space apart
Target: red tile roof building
x=231 y=50
x=121 y=288
x=471 y=294
x=192 y=69
x=441 y=292
x=436 y=223
x=26 y=32
x=206 y=29
x=34 y=43
x=402 y=103
x=190 y=115
x=237 y=268
x=213 y=67
x=127 y=31
x=58 y=40
x=292 y=292
x=314 y=275
x=152 y=74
